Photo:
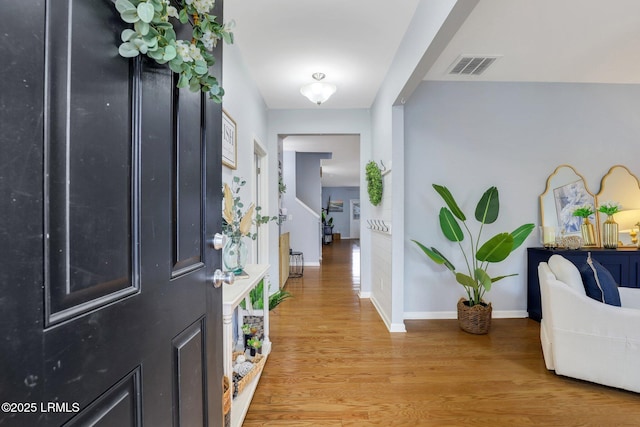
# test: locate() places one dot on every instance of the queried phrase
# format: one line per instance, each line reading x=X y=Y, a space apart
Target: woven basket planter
x=476 y=319
x=242 y=382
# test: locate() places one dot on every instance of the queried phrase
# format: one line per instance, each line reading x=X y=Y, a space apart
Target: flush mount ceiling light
x=318 y=92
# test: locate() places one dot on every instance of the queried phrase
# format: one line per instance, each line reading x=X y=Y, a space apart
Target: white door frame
x=261 y=197
x=354 y=224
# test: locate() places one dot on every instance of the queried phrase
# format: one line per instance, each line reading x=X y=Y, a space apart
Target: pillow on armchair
x=566 y=272
x=599 y=284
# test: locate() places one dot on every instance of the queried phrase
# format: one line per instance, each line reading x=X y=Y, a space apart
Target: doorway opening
x=322 y=176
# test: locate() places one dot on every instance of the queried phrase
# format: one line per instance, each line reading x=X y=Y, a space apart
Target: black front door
x=109 y=189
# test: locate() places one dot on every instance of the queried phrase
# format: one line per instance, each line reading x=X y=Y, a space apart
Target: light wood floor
x=335 y=364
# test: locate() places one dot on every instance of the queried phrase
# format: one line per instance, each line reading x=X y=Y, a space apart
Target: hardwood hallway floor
x=335 y=364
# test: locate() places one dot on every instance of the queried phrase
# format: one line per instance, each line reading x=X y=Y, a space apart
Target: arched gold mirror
x=621 y=186
x=565 y=191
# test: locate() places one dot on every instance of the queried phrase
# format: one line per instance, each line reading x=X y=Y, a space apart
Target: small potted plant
x=254 y=345
x=610 y=226
x=588 y=233
x=246 y=330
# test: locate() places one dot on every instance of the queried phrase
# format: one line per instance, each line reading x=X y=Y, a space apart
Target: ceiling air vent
x=467 y=65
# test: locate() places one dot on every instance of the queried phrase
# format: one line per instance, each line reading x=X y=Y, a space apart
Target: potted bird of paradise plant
x=474 y=314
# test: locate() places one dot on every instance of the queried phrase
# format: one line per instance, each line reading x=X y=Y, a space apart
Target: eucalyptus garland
x=374 y=183
x=153 y=35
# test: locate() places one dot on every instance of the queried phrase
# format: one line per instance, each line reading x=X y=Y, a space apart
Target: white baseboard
x=510 y=314
x=392 y=327
x=381 y=313
x=311 y=264
x=497 y=314
x=364 y=295
x=397 y=328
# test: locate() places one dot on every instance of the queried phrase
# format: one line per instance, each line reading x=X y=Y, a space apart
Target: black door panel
x=109 y=184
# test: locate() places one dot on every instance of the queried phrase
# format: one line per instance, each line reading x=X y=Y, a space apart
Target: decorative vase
x=610 y=233
x=247 y=337
x=588 y=233
x=476 y=319
x=234 y=254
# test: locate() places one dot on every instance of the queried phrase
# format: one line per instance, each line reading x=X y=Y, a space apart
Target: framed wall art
x=229 y=141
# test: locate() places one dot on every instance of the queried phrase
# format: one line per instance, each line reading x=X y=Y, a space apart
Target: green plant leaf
x=466 y=281
x=152 y=45
x=227 y=37
x=194 y=84
x=141 y=27
x=170 y=35
x=163 y=26
x=176 y=64
x=208 y=57
x=495 y=279
x=156 y=55
x=435 y=256
x=520 y=234
x=450 y=201
x=183 y=16
x=276 y=298
x=183 y=81
x=145 y=12
x=217 y=90
x=488 y=206
x=127 y=35
x=124 y=6
x=496 y=249
x=450 y=226
x=483 y=278
x=128 y=50
x=169 y=53
x=130 y=16
x=200 y=67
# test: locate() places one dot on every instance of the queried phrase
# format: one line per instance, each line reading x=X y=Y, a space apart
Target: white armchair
x=587 y=339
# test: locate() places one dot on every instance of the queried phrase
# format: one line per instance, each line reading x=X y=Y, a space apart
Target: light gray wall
x=431 y=28
x=308 y=184
x=303 y=223
x=244 y=103
x=472 y=135
x=341 y=220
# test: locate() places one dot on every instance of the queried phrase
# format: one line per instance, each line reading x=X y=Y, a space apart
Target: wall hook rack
x=378 y=225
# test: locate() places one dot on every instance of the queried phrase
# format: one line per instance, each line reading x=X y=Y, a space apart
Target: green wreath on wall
x=374 y=183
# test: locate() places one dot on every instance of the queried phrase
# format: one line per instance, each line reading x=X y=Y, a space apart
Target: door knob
x=219 y=278
x=218 y=241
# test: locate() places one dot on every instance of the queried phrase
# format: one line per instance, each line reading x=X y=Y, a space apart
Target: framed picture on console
x=568 y=198
x=229 y=141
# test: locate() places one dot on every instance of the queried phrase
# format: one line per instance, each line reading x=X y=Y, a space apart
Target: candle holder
x=548 y=236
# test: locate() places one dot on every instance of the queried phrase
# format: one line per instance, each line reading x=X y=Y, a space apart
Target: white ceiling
x=584 y=41
x=353 y=42
x=283 y=42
